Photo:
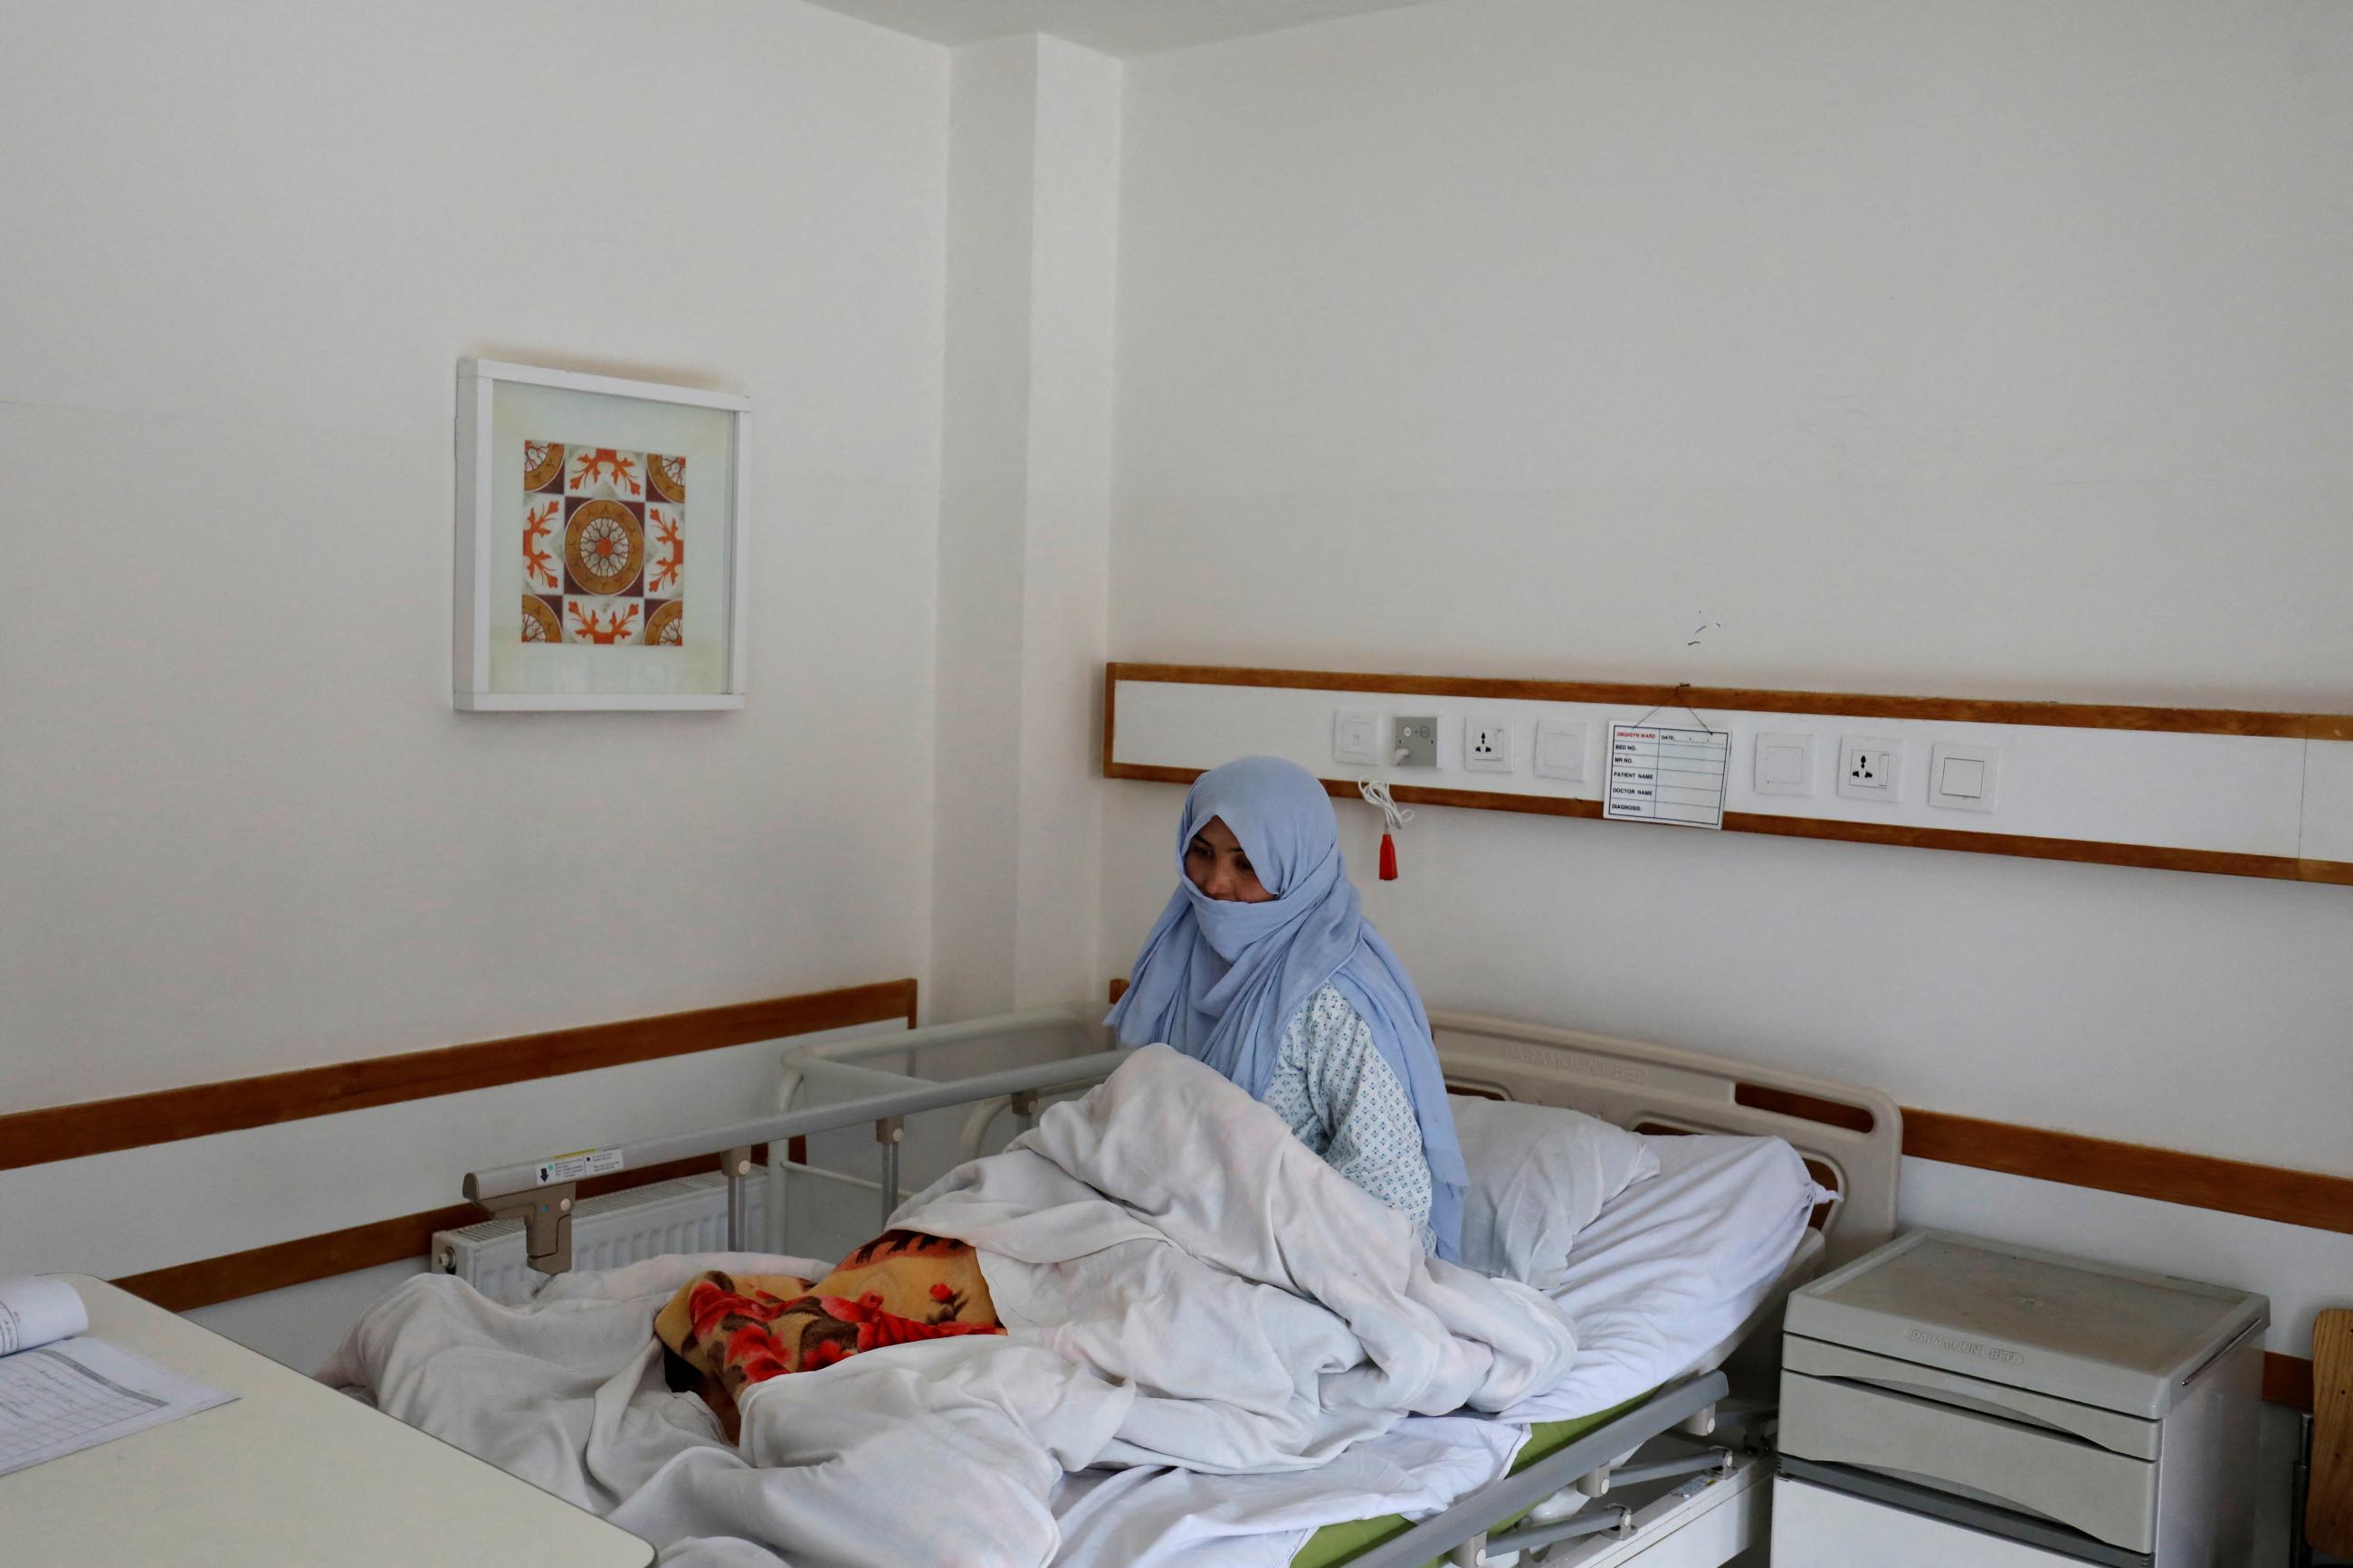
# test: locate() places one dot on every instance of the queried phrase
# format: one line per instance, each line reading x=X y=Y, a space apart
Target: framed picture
x=600 y=542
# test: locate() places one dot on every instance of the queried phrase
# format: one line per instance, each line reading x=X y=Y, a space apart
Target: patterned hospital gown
x=1340 y=1097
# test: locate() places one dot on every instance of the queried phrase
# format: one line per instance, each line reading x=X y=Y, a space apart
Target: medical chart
x=61 y=1392
x=1659 y=773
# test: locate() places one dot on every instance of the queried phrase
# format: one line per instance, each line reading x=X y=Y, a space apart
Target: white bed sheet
x=1659 y=1285
x=1661 y=1282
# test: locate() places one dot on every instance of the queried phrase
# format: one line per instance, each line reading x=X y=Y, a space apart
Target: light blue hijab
x=1220 y=979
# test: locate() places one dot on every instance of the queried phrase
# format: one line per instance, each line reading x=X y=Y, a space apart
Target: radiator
x=688 y=1214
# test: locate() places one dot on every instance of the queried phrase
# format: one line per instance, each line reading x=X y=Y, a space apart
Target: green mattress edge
x=1337 y=1543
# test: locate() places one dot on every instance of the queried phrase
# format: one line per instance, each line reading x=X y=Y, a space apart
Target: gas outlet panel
x=1417 y=743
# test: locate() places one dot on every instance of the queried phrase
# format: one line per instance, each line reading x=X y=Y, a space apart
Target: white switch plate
x=1785 y=764
x=1357 y=738
x=1871 y=768
x=1560 y=749
x=1486 y=746
x=1962 y=778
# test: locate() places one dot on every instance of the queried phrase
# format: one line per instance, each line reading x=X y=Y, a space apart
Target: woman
x=1264 y=967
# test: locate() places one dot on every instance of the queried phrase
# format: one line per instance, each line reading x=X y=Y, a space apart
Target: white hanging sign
x=1661 y=774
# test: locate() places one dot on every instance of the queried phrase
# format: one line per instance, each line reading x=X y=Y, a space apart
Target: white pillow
x=1538 y=1175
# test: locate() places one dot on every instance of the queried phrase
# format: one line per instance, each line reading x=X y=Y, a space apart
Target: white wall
x=1033 y=233
x=245 y=245
x=2002 y=351
x=1997 y=348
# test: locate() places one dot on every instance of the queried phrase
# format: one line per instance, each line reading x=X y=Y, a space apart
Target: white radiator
x=688 y=1214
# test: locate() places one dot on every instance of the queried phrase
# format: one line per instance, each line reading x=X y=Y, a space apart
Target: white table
x=292 y=1472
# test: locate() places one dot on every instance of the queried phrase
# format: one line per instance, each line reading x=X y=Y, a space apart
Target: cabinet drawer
x=2122 y=1434
x=1821 y=1529
x=2109 y=1496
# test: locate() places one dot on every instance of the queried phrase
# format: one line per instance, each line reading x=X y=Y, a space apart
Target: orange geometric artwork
x=604 y=546
x=590 y=625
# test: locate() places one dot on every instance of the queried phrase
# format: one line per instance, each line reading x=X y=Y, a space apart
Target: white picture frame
x=489 y=673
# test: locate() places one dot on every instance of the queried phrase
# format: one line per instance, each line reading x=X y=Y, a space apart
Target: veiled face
x=1216 y=864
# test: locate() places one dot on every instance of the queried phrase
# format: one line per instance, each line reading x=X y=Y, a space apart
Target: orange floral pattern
x=604 y=546
x=901 y=1287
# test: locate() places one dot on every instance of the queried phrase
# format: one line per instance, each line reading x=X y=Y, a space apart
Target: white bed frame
x=1850 y=1136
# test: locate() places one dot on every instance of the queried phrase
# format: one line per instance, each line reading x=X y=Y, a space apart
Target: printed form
x=1661 y=774
x=60 y=1394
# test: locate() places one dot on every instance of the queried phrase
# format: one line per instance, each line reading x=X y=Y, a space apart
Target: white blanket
x=568 y=1393
x=1185 y=1285
x=1169 y=1232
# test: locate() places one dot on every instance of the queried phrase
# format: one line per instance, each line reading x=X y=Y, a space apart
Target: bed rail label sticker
x=572 y=1167
x=1661 y=774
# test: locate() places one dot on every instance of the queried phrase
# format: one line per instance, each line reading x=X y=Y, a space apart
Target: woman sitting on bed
x=1264 y=967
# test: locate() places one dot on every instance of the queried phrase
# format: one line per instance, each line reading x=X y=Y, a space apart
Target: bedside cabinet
x=1947 y=1400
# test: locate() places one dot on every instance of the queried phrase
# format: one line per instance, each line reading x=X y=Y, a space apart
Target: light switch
x=1357 y=738
x=1785 y=764
x=1560 y=749
x=1962 y=778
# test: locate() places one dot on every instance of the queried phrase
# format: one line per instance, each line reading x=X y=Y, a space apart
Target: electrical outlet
x=1871 y=769
x=1486 y=746
x=1415 y=743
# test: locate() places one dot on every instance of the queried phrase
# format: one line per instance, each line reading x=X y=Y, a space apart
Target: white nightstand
x=1950 y=1400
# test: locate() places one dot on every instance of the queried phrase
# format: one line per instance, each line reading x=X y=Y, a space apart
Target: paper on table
x=59 y=1394
x=35 y=1311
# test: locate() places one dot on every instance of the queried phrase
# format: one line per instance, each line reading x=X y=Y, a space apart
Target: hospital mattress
x=1666 y=1282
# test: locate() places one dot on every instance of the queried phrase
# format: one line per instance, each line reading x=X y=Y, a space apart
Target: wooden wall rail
x=2074 y=715
x=2308 y=1198
x=2265 y=1191
x=232 y=1275
x=98 y=1127
x=1759 y=700
x=104 y=1126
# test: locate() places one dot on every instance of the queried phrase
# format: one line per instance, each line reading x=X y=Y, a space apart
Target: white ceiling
x=1112 y=26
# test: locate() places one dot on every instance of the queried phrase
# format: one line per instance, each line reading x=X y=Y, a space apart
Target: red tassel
x=1388 y=858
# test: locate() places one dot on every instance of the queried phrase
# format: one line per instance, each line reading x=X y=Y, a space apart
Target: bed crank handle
x=546 y=1215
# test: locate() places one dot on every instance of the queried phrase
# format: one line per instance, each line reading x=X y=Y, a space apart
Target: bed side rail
x=1468 y=1519
x=541 y=1192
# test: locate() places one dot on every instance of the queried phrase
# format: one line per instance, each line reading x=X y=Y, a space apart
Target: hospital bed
x=840 y=1103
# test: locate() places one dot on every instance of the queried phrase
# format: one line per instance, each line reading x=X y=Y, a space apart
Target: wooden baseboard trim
x=2308 y=1198
x=210 y=1280
x=106 y=1126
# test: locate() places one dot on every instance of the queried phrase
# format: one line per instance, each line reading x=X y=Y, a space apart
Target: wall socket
x=1417 y=743
x=1486 y=746
x=1871 y=768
